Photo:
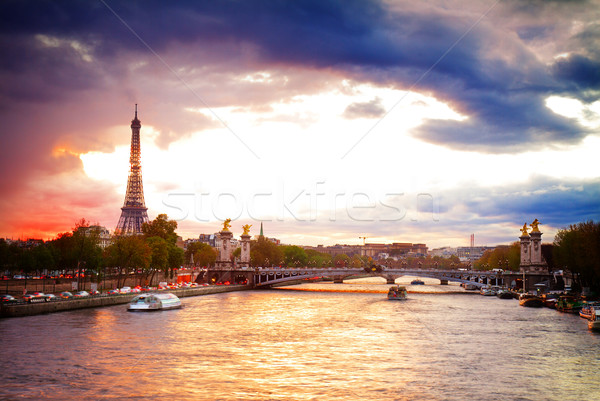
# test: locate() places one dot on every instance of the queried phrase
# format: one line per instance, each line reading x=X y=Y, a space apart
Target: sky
x=327 y=121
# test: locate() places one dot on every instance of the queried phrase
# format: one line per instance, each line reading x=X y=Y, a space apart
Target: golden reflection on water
x=299 y=345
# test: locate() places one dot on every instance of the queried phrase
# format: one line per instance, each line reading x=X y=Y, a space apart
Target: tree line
x=576 y=248
x=79 y=253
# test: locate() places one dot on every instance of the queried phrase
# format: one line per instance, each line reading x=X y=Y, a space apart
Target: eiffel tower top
x=136 y=123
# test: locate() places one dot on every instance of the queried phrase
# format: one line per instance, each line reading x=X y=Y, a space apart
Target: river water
x=328 y=342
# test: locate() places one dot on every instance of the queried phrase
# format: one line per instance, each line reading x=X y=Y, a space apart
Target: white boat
x=397 y=293
x=148 y=302
x=486 y=291
x=594 y=322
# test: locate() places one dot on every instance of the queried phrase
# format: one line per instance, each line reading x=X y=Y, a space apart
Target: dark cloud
x=555 y=202
x=583 y=72
x=371 y=109
x=488 y=75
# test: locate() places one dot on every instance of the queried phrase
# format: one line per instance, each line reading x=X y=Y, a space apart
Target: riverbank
x=104 y=300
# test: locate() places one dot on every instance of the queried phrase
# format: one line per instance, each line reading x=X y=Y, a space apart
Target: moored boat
x=588 y=310
x=486 y=291
x=504 y=294
x=530 y=300
x=594 y=322
x=568 y=304
x=397 y=293
x=153 y=301
x=550 y=300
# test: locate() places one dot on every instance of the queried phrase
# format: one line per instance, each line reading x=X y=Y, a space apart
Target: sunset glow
x=325 y=131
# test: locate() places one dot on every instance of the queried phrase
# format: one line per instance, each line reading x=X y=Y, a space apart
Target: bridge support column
x=443 y=282
x=390 y=280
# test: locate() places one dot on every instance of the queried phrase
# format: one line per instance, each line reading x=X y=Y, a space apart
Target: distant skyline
x=327 y=121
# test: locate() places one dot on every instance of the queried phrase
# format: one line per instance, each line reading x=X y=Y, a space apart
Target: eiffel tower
x=134 y=211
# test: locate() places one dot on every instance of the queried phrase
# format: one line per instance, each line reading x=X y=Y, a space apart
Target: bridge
x=266 y=277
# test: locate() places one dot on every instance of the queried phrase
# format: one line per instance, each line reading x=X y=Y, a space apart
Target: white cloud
x=301 y=183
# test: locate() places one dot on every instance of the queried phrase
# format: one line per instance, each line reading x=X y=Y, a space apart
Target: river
x=340 y=342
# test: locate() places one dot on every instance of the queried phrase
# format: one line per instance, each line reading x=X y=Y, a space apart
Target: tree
x=294 y=256
x=204 y=254
x=164 y=228
x=503 y=257
x=85 y=243
x=577 y=249
x=160 y=256
x=356 y=262
x=317 y=259
x=127 y=253
x=176 y=258
x=265 y=253
x=341 y=260
x=161 y=227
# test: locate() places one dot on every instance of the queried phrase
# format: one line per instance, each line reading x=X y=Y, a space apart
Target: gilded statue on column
x=246 y=229
x=524 y=230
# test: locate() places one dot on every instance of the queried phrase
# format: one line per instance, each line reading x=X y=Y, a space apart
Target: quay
x=29 y=309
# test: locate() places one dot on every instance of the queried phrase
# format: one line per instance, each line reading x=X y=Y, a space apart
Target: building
x=334 y=250
x=396 y=249
x=444 y=252
x=104 y=237
x=470 y=254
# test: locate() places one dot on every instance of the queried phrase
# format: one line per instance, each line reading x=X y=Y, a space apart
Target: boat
x=588 y=310
x=153 y=301
x=504 y=294
x=417 y=282
x=568 y=304
x=486 y=291
x=397 y=293
x=594 y=322
x=530 y=300
x=550 y=300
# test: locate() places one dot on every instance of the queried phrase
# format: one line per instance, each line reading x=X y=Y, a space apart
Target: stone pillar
x=245 y=255
x=537 y=261
x=536 y=248
x=525 y=252
x=225 y=250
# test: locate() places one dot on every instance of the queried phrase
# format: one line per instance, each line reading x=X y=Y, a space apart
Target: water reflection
x=299 y=345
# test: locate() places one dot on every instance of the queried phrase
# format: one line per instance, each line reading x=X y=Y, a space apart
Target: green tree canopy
x=503 y=257
x=577 y=249
x=161 y=227
x=294 y=256
x=265 y=253
x=203 y=254
x=160 y=253
x=129 y=252
x=317 y=259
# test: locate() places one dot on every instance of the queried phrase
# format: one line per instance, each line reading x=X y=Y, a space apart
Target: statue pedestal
x=531 y=253
x=225 y=250
x=525 y=253
x=245 y=254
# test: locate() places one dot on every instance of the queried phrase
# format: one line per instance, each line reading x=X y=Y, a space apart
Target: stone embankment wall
x=104 y=300
x=56 y=286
